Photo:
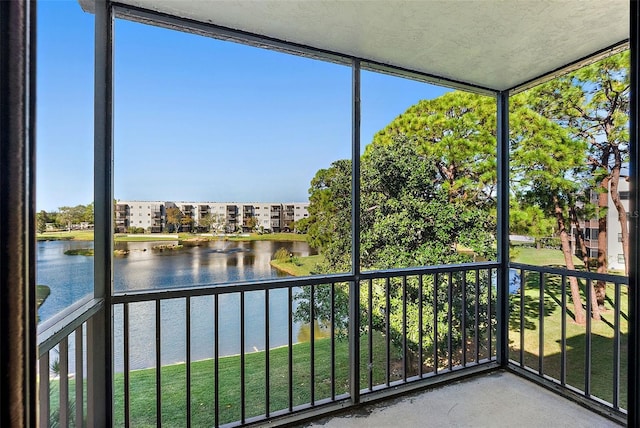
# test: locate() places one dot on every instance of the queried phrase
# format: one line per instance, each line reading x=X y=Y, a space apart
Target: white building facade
x=216 y=217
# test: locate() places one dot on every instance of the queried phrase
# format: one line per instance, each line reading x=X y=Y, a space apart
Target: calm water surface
x=71 y=278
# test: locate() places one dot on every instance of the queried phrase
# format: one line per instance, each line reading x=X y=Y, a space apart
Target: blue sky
x=196 y=119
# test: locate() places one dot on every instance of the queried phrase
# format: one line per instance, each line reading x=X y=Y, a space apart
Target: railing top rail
x=425 y=270
x=617 y=279
x=226 y=288
x=271 y=284
x=53 y=331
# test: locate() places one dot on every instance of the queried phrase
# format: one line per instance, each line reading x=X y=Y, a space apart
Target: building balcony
x=539 y=363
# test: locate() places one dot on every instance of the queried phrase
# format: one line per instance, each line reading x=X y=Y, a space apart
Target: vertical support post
x=633 y=379
x=101 y=374
x=17 y=208
x=502 y=295
x=354 y=290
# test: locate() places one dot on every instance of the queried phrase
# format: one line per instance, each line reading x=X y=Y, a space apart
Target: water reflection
x=143 y=267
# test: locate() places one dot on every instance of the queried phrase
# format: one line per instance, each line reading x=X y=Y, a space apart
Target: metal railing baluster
x=44 y=390
x=79 y=378
x=333 y=340
x=312 y=344
x=125 y=365
x=63 y=379
x=387 y=327
x=188 y=358
x=420 y=327
x=216 y=361
x=435 y=323
x=450 y=321
x=477 y=316
x=404 y=328
x=616 y=347
x=523 y=281
x=158 y=366
x=370 y=334
x=541 y=324
x=563 y=338
x=587 y=353
x=290 y=347
x=463 y=319
x=243 y=379
x=267 y=354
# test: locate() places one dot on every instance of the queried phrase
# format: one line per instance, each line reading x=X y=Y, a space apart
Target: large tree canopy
x=428 y=189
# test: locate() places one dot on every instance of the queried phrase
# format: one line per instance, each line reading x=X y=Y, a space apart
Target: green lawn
x=541 y=257
x=268 y=237
x=298 y=266
x=173 y=384
x=602 y=332
x=76 y=235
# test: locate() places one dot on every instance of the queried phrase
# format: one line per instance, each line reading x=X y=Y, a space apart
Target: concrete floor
x=499 y=399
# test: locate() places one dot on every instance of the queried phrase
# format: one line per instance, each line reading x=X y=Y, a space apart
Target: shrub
x=282 y=255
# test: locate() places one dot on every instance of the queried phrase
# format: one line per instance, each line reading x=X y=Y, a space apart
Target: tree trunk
x=622 y=212
x=595 y=307
x=603 y=203
x=578 y=310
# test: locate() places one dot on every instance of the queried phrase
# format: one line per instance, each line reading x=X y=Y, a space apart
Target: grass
x=602 y=332
x=75 y=235
x=541 y=257
x=42 y=292
x=297 y=237
x=80 y=252
x=173 y=384
x=143 y=385
x=300 y=266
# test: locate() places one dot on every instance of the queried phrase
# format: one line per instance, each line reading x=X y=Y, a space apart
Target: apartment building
x=218 y=217
x=590 y=228
x=148 y=215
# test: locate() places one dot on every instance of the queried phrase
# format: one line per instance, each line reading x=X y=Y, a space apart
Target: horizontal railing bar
x=226 y=288
x=53 y=334
x=551 y=384
x=270 y=284
x=429 y=375
x=424 y=270
x=72 y=309
x=302 y=412
x=616 y=279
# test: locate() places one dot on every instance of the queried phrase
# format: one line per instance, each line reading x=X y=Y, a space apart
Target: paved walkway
x=499 y=399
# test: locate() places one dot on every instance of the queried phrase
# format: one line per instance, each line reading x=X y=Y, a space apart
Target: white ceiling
x=495 y=44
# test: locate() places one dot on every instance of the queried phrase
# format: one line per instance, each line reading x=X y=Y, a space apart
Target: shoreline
x=148 y=237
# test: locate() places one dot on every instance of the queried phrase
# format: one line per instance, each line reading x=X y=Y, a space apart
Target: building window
x=619 y=237
x=624 y=195
x=621 y=258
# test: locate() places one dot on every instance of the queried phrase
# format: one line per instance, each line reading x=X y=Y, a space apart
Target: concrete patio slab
x=499 y=399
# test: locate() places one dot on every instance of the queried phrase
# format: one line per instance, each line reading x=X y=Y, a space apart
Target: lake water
x=71 y=278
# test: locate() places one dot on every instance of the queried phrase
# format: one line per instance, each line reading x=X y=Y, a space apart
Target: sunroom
x=375 y=331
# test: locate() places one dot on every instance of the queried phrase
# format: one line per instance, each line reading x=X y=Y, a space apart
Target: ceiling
x=492 y=44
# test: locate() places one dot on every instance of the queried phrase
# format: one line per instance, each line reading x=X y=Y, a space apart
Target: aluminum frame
x=101 y=370
x=17 y=212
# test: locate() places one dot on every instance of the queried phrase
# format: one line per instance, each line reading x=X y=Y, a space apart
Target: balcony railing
x=587 y=362
x=286 y=349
